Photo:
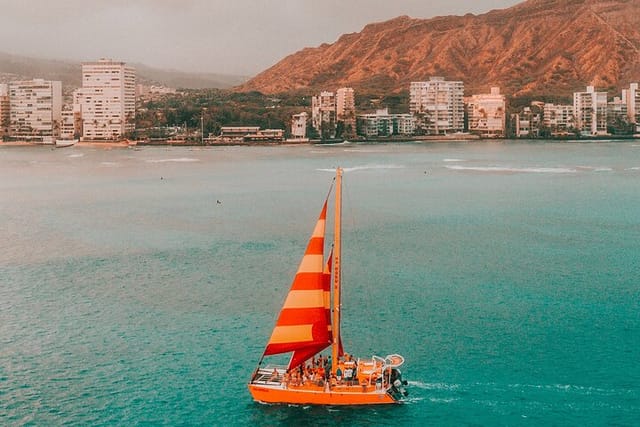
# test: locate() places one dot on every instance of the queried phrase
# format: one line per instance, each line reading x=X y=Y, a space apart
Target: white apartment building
x=323 y=114
x=345 y=103
x=346 y=109
x=618 y=120
x=438 y=105
x=71 y=122
x=107 y=100
x=526 y=123
x=299 y=126
x=590 y=111
x=35 y=108
x=381 y=123
x=4 y=110
x=558 y=118
x=632 y=98
x=487 y=114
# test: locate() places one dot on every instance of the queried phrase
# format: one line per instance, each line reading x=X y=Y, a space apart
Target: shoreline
x=108 y=145
x=84 y=144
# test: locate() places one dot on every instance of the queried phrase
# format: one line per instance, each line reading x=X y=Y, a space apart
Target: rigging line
x=347 y=211
x=333 y=181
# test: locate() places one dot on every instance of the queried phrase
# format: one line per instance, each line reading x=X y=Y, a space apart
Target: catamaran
x=309 y=322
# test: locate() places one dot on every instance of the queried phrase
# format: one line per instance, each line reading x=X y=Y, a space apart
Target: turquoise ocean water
x=507 y=274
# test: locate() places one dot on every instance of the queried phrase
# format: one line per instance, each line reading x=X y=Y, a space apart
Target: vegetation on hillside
x=213 y=108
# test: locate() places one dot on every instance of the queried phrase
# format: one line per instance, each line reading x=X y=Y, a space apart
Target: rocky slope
x=536 y=47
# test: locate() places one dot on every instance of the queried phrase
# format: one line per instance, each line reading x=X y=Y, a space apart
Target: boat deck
x=368 y=377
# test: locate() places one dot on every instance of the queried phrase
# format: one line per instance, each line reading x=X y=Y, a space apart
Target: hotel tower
x=107 y=100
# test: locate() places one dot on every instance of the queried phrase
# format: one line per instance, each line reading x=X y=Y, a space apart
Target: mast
x=335 y=345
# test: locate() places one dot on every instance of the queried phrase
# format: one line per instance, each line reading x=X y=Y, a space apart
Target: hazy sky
x=232 y=37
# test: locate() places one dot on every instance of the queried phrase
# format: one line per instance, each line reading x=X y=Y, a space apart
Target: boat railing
x=379 y=368
x=394 y=360
x=270 y=374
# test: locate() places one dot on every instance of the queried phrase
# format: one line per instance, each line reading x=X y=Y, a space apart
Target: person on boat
x=365 y=384
x=333 y=381
x=386 y=377
x=295 y=379
x=327 y=367
x=350 y=370
x=274 y=375
x=321 y=372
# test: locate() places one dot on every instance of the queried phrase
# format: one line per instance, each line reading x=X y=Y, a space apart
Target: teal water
x=506 y=273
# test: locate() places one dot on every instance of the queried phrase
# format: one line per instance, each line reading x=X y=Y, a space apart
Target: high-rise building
x=558 y=118
x=35 y=108
x=438 y=105
x=71 y=123
x=107 y=100
x=346 y=110
x=487 y=114
x=526 y=123
x=632 y=98
x=4 y=110
x=299 y=126
x=590 y=111
x=323 y=114
x=345 y=102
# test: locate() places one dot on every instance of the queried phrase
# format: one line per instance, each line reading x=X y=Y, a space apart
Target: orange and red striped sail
x=304 y=324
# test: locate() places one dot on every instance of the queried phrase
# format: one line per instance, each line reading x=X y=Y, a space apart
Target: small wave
x=177 y=160
x=364 y=167
x=443 y=400
x=412 y=400
x=453 y=160
x=434 y=386
x=635 y=168
x=72 y=156
x=109 y=164
x=568 y=388
x=594 y=168
x=501 y=169
x=364 y=150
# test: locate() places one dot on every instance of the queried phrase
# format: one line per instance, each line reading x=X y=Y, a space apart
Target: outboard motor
x=397 y=384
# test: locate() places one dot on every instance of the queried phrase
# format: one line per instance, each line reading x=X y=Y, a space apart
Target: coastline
x=108 y=145
x=84 y=144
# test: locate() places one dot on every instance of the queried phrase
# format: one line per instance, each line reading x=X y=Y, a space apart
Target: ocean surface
x=139 y=287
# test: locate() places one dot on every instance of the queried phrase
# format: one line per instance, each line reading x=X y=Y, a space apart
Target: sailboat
x=308 y=324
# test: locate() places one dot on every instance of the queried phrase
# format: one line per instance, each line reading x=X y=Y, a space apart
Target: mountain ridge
x=17 y=67
x=534 y=47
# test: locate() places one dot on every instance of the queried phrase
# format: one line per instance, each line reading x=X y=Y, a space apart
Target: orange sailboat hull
x=318 y=396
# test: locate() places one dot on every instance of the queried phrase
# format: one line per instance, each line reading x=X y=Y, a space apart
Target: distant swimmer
x=161 y=178
x=218 y=202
